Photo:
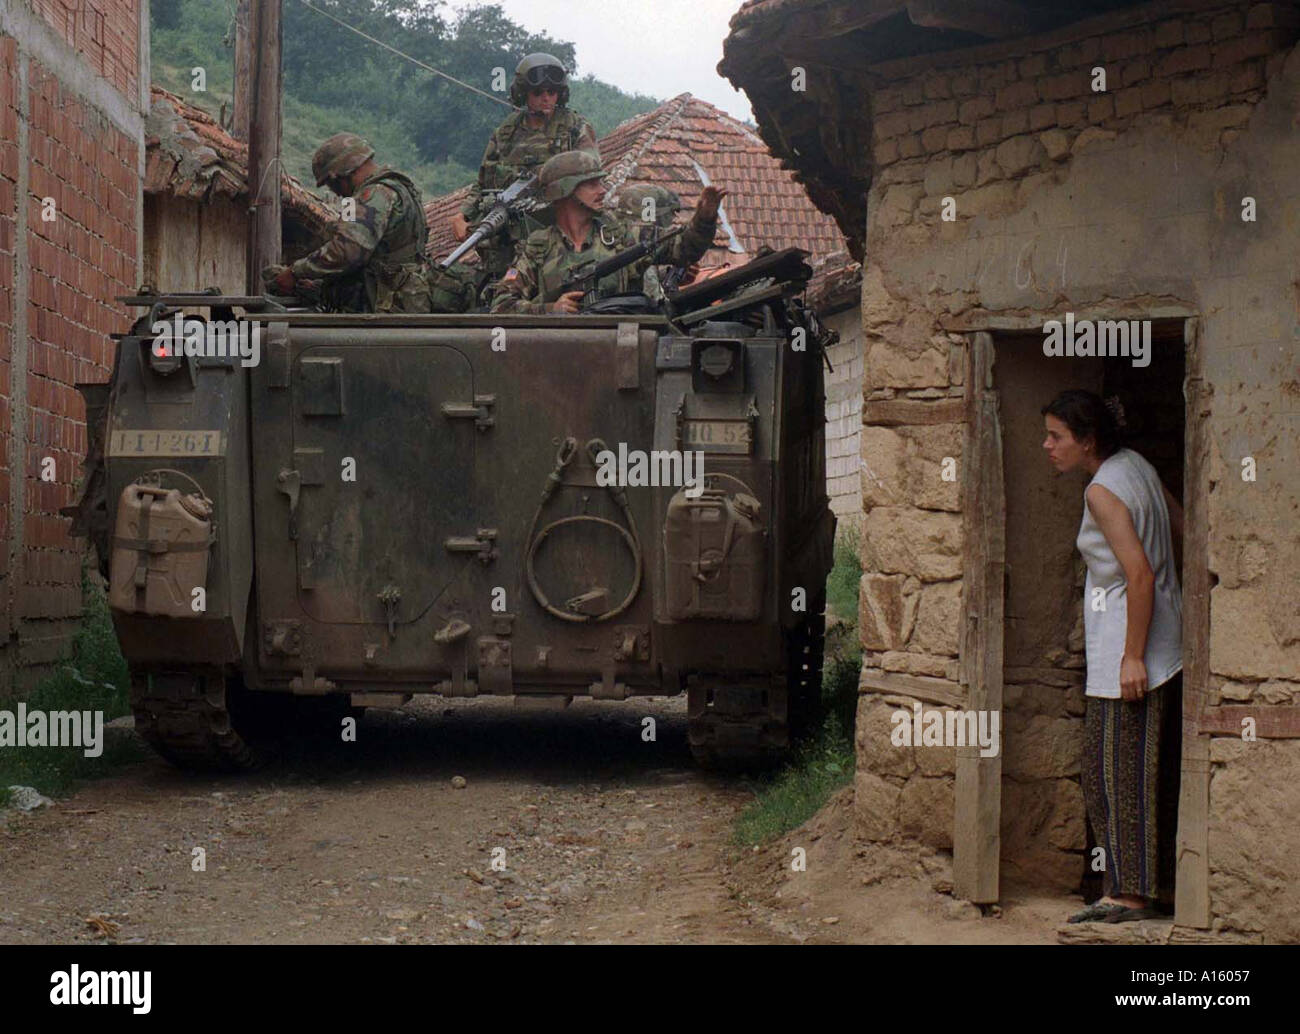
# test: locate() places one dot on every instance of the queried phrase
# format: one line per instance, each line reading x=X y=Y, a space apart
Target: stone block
x=1019 y=154
x=1128 y=102
x=1056 y=144
x=1254 y=839
x=876 y=752
x=1014 y=122
x=1169 y=34
x=938 y=619
x=1041 y=747
x=886 y=610
x=934 y=139
x=974 y=109
x=906 y=663
x=875 y=806
x=960 y=139
x=1021 y=94
x=925 y=811
x=1041 y=116
x=903 y=540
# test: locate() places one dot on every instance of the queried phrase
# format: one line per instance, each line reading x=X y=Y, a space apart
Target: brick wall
x=78 y=261
x=9 y=159
x=104 y=33
x=844 y=418
x=71 y=133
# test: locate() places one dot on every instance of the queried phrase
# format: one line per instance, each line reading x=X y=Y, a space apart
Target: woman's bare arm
x=1116 y=524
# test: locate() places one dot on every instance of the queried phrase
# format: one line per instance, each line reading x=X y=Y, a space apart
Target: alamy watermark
x=26 y=728
x=96 y=987
x=947 y=728
x=208 y=339
x=1101 y=338
x=635 y=468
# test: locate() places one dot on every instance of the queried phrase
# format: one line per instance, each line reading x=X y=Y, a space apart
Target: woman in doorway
x=1133 y=633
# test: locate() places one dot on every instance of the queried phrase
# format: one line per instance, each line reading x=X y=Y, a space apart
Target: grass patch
x=824 y=762
x=93 y=678
x=820 y=766
x=843 y=581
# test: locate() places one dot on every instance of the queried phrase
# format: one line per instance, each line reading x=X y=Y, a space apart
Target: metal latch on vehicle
x=483 y=545
x=290 y=482
x=480 y=411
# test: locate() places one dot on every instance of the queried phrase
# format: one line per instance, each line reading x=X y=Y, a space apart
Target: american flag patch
x=511 y=274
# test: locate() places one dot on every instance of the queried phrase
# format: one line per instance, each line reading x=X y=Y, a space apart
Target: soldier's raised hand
x=707 y=206
x=459 y=227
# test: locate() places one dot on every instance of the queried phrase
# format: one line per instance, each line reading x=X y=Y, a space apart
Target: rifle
x=588 y=276
x=515 y=200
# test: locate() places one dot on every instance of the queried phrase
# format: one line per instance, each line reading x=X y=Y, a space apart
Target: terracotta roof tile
x=189 y=155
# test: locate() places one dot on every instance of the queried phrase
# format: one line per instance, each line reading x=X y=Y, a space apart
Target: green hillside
x=334 y=80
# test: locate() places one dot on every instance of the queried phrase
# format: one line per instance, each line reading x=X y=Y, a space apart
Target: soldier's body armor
x=521 y=149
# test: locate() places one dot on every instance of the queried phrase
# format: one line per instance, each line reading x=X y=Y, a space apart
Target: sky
x=657 y=47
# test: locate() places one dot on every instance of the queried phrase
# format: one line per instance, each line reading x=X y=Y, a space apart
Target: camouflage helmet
x=340 y=154
x=632 y=198
x=561 y=174
x=537 y=70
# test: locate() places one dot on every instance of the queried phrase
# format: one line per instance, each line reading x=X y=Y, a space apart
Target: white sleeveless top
x=1135 y=483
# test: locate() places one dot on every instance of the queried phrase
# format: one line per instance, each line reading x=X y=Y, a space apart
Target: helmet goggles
x=545 y=75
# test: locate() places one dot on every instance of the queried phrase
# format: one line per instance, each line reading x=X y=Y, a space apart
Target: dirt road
x=569 y=828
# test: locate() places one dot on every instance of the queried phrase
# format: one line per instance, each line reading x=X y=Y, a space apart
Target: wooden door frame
x=1192 y=882
x=977 y=818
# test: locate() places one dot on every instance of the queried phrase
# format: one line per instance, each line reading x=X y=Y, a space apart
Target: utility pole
x=243 y=72
x=264 y=166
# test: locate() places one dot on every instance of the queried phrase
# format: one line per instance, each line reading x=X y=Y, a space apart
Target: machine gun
x=587 y=277
x=515 y=200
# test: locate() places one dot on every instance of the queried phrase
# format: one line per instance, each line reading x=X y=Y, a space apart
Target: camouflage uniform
x=374 y=263
x=515 y=149
x=546 y=258
x=631 y=207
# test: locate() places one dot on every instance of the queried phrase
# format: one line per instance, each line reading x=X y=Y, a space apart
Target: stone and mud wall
x=1169 y=194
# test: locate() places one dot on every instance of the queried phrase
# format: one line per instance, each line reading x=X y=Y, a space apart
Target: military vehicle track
x=185 y=717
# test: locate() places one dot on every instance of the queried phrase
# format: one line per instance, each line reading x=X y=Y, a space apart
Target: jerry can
x=161 y=542
x=713 y=552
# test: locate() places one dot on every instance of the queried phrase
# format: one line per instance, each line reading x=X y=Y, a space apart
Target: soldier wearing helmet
x=375 y=261
x=643 y=205
x=542 y=128
x=583 y=231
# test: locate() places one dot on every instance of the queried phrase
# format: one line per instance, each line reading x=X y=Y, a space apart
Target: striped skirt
x=1132 y=757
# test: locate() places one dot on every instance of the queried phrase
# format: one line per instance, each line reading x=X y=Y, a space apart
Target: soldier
x=375 y=261
x=583 y=231
x=542 y=128
x=640 y=204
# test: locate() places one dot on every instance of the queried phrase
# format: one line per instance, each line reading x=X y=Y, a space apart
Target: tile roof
x=684 y=144
x=189 y=155
x=438 y=213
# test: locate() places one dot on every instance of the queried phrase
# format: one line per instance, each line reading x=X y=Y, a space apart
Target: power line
x=414 y=61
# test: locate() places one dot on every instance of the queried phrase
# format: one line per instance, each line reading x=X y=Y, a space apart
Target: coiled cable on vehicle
x=563 y=457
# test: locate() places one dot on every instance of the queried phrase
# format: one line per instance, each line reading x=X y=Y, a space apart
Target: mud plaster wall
x=1113 y=203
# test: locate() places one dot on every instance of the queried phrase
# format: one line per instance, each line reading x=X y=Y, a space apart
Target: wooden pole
x=264 y=140
x=243 y=71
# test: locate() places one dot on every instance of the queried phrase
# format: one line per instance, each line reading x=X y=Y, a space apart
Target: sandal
x=1097 y=912
x=1132 y=915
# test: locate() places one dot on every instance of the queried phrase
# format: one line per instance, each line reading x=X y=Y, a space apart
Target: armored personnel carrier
x=298 y=510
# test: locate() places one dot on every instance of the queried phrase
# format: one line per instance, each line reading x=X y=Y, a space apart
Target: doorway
x=1041 y=829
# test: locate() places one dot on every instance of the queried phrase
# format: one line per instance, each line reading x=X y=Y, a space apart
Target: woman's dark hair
x=1085 y=414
